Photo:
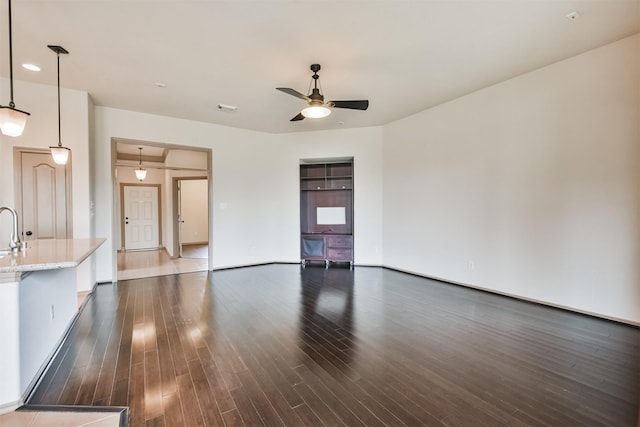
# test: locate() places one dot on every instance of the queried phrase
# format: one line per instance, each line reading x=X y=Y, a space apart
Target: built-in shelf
x=327 y=186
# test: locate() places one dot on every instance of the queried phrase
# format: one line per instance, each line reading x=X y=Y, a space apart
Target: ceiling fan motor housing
x=316 y=96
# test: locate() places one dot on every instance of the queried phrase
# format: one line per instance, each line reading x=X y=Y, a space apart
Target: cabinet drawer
x=339 y=254
x=339 y=242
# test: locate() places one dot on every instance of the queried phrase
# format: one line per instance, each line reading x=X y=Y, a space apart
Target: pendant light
x=60 y=154
x=12 y=120
x=141 y=173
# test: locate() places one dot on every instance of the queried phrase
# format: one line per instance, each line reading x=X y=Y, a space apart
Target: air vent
x=227 y=108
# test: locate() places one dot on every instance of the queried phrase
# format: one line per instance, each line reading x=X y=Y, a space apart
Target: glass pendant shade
x=316 y=112
x=12 y=121
x=60 y=154
x=141 y=174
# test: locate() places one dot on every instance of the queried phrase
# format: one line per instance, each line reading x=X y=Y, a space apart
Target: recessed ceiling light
x=573 y=16
x=31 y=67
x=159 y=84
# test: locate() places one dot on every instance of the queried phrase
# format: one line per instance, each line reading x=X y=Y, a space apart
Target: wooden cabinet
x=326 y=247
x=337 y=176
x=326 y=212
x=339 y=248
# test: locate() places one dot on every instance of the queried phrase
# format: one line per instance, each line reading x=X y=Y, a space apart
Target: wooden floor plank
x=285 y=345
x=206 y=399
x=190 y=405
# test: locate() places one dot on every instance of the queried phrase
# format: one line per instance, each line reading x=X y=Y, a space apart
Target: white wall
x=529 y=187
x=255 y=205
x=195 y=211
x=365 y=146
x=238 y=174
x=186 y=159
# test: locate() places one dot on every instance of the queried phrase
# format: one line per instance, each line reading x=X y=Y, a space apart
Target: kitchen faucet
x=14 y=243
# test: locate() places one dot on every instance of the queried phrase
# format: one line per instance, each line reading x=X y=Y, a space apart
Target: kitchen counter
x=49 y=254
x=38 y=304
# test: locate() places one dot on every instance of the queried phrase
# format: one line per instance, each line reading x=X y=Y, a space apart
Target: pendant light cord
x=59 y=137
x=11 y=103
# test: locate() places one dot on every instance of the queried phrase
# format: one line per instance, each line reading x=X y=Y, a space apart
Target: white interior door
x=141 y=221
x=44 y=197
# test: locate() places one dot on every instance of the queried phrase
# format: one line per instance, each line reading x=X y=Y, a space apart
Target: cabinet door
x=312 y=247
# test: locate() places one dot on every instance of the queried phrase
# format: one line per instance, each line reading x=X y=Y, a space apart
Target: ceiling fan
x=317 y=107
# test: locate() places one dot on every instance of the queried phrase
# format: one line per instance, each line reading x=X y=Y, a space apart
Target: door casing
x=177 y=246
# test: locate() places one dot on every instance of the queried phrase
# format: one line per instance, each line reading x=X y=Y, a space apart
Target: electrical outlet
x=52 y=312
x=472 y=265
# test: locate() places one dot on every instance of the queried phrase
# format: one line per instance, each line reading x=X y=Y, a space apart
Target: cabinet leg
x=326 y=263
x=350 y=265
x=303 y=263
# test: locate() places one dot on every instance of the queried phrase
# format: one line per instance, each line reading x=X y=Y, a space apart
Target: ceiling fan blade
x=293 y=92
x=353 y=105
x=298 y=117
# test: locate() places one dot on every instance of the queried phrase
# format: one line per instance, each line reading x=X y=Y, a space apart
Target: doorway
x=164 y=163
x=191 y=217
x=43 y=195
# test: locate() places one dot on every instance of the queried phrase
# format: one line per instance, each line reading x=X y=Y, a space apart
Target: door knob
x=28 y=233
x=126 y=222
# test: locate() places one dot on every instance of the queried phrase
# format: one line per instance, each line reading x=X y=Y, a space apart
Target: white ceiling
x=403 y=56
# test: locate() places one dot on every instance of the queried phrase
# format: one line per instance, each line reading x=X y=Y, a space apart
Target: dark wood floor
x=280 y=345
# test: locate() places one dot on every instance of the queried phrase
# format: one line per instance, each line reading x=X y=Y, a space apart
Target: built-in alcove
x=326 y=210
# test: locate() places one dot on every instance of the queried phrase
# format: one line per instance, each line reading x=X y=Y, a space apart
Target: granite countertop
x=49 y=254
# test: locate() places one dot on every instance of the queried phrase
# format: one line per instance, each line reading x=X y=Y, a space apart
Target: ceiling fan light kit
x=316 y=112
x=12 y=120
x=317 y=108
